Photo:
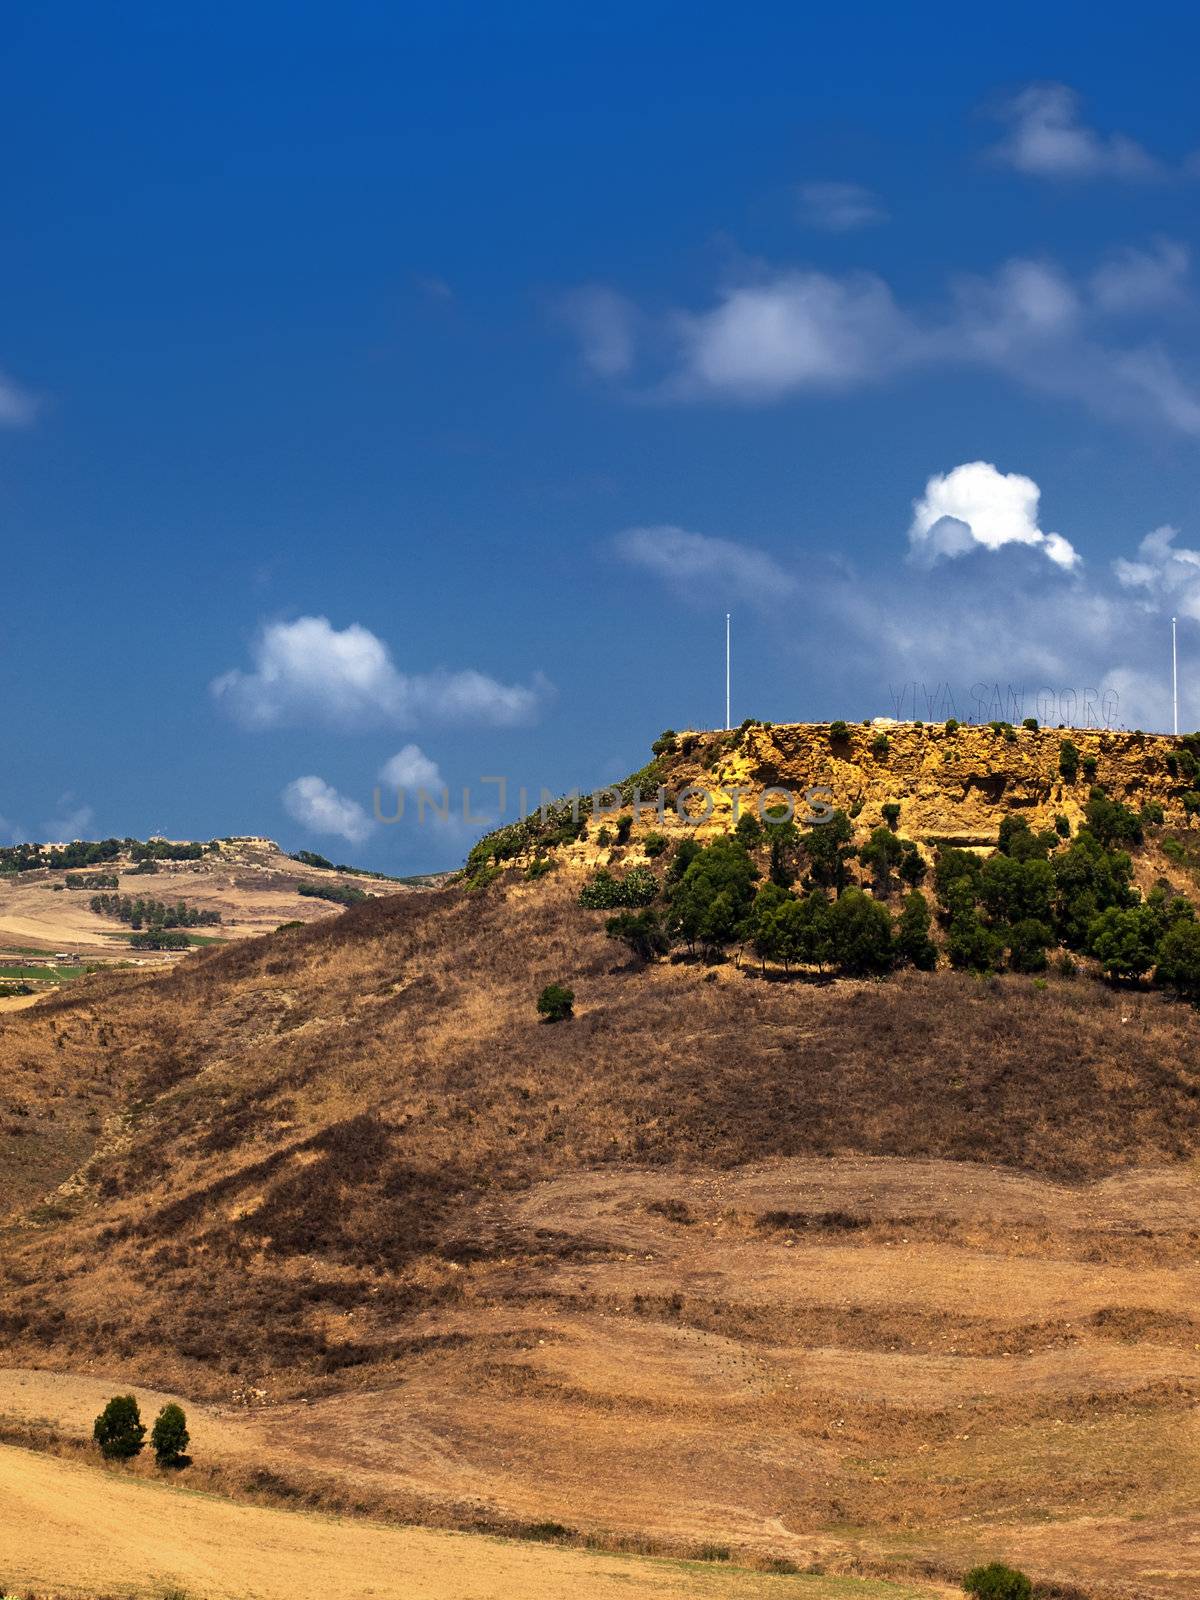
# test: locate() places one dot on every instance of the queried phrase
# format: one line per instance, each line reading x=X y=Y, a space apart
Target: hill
x=878 y=1275
x=51 y=929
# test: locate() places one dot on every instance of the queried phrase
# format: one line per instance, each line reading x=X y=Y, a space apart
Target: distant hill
x=229 y=888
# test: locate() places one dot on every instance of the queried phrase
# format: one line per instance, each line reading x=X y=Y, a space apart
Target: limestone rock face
x=954 y=785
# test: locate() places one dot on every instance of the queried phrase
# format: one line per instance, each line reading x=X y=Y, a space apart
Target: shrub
x=972 y=945
x=838 y=731
x=654 y=844
x=748 y=829
x=882 y=852
x=556 y=1002
x=665 y=744
x=539 y=867
x=1089 y=765
x=119 y=1429
x=603 y=892
x=604 y=837
x=641 y=931
x=1031 y=723
x=1068 y=761
x=997 y=1582
x=624 y=825
x=1191 y=802
x=1151 y=815
x=1110 y=821
x=1062 y=826
x=891 y=812
x=170 y=1438
x=952 y=724
x=880 y=745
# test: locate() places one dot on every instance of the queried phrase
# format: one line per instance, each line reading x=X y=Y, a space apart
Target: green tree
x=860 y=934
x=711 y=902
x=624 y=826
x=890 y=811
x=838 y=731
x=971 y=944
x=119 y=1429
x=882 y=852
x=169 y=1437
x=1068 y=760
x=1088 y=879
x=1028 y=941
x=913 y=943
x=1179 y=959
x=912 y=865
x=654 y=844
x=1111 y=822
x=1014 y=890
x=556 y=1002
x=827 y=847
x=665 y=744
x=1123 y=940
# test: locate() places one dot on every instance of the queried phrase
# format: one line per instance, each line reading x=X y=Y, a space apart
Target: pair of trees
x=120 y=1432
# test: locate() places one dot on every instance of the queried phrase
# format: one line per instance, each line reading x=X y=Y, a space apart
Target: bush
x=556 y=1002
x=119 y=1429
x=997 y=1582
x=539 y=867
x=880 y=745
x=971 y=945
x=838 y=731
x=624 y=825
x=1028 y=941
x=1089 y=765
x=665 y=744
x=641 y=931
x=1152 y=815
x=1068 y=761
x=603 y=892
x=891 y=812
x=654 y=844
x=1062 y=826
x=169 y=1438
x=952 y=724
x=1031 y=723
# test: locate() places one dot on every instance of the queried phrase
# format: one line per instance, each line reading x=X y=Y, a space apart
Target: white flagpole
x=1174 y=681
x=727 y=672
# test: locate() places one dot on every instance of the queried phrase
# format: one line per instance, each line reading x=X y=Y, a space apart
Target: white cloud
x=17 y=405
x=72 y=819
x=1140 y=280
x=839 y=207
x=603 y=322
x=700 y=566
x=1047 y=139
x=318 y=806
x=795 y=332
x=975 y=506
x=1164 y=573
x=792 y=331
x=411 y=769
x=310 y=671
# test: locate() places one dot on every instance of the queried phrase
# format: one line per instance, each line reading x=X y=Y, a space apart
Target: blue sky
x=413 y=389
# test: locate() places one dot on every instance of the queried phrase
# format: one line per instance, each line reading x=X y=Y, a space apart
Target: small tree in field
x=997 y=1582
x=170 y=1436
x=119 y=1429
x=556 y=1002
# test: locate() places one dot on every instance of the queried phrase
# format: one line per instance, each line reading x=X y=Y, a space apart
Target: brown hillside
x=839 y=1271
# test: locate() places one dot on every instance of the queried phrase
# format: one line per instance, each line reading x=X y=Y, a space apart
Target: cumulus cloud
x=701 y=566
x=976 y=506
x=794 y=332
x=310 y=671
x=411 y=769
x=1163 y=573
x=318 y=806
x=1047 y=138
x=839 y=207
x=17 y=406
x=603 y=322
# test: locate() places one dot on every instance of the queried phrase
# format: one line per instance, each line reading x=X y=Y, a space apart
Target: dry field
x=885 y=1278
